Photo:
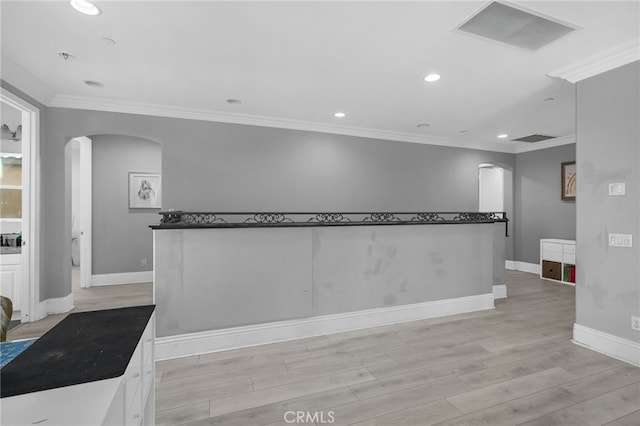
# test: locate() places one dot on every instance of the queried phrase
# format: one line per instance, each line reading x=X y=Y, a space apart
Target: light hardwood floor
x=509 y=366
x=91 y=299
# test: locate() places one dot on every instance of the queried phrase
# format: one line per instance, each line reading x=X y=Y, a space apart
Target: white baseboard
x=260 y=334
x=532 y=268
x=122 y=278
x=58 y=305
x=514 y=265
x=500 y=291
x=607 y=344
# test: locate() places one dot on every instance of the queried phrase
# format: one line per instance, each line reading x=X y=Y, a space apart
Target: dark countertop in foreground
x=83 y=347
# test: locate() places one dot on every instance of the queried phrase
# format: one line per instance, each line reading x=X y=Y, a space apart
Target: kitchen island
x=221 y=282
x=92 y=368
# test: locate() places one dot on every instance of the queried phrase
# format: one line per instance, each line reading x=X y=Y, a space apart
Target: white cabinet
x=135 y=397
x=558 y=260
x=125 y=400
x=11 y=279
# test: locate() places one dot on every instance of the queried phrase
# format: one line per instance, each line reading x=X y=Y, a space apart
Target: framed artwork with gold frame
x=569 y=181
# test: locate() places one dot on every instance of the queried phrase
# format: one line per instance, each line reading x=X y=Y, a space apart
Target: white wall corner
x=122 y=278
x=27 y=83
x=615 y=57
x=607 y=344
x=237 y=337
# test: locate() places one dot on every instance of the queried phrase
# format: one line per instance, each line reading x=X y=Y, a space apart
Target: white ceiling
x=301 y=61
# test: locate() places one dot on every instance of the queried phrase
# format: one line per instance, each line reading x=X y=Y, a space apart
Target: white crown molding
x=22 y=80
x=96 y=104
x=607 y=60
x=551 y=143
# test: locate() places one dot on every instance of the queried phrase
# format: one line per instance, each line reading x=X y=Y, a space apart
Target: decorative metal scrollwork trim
x=329 y=218
x=190 y=219
x=473 y=217
x=427 y=218
x=180 y=219
x=202 y=219
x=381 y=217
x=268 y=218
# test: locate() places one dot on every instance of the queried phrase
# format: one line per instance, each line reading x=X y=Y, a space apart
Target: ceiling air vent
x=533 y=138
x=514 y=26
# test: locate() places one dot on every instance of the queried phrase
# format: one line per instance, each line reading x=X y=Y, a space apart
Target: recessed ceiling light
x=66 y=55
x=423 y=125
x=339 y=115
x=464 y=131
x=432 y=77
x=93 y=83
x=85 y=7
x=504 y=135
x=234 y=101
x=549 y=99
x=108 y=41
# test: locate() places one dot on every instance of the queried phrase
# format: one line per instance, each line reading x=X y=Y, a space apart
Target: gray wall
x=608 y=134
x=218 y=278
x=225 y=167
x=121 y=236
x=540 y=212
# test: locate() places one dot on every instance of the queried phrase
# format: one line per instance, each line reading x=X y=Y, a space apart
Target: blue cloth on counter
x=10 y=350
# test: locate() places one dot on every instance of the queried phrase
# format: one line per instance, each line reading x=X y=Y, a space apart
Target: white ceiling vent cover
x=514 y=26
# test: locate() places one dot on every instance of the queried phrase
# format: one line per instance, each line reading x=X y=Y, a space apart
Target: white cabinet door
x=11 y=281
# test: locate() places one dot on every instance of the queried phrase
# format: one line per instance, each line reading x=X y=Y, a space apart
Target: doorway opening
x=491 y=188
x=20 y=274
x=80 y=151
x=109 y=239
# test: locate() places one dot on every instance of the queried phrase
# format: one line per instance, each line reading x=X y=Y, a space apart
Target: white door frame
x=30 y=118
x=86 y=176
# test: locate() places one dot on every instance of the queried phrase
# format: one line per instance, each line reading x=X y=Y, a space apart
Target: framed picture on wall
x=145 y=190
x=569 y=181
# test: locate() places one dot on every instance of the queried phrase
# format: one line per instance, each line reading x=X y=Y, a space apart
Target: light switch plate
x=620 y=240
x=617 y=189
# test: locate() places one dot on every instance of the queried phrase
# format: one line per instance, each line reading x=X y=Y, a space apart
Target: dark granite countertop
x=83 y=347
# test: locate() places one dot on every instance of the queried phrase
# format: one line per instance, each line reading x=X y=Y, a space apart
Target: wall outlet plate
x=620 y=240
x=617 y=189
x=635 y=323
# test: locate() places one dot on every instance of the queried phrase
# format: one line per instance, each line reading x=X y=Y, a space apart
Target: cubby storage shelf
x=558 y=260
